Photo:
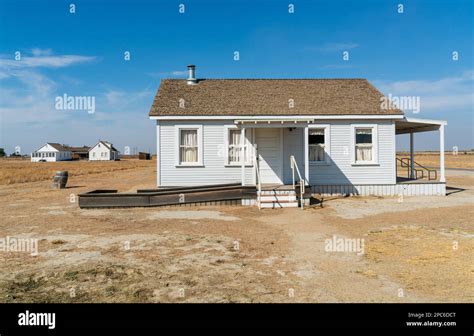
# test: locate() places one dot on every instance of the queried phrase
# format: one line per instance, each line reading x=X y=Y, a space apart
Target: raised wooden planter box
x=164 y=197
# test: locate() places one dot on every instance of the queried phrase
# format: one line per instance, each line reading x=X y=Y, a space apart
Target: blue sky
x=82 y=54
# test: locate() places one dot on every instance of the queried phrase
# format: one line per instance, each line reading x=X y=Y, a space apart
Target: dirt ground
x=417 y=250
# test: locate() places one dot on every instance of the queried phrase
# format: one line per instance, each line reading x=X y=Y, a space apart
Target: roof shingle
x=262 y=97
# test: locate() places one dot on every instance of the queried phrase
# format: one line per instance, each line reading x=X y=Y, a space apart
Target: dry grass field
x=21 y=170
x=461 y=160
x=417 y=250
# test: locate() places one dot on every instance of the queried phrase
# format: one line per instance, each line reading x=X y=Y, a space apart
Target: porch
x=413 y=176
x=274 y=151
x=280 y=152
x=280 y=181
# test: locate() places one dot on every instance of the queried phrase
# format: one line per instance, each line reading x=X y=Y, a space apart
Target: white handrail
x=294 y=166
x=259 y=181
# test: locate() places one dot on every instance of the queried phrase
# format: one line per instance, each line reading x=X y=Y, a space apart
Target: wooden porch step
x=276 y=192
x=279 y=187
x=278 y=198
x=278 y=205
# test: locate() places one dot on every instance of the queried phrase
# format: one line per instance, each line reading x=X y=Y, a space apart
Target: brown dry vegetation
x=425 y=260
x=20 y=170
x=460 y=160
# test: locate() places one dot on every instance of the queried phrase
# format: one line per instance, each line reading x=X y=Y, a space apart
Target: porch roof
x=274 y=122
x=415 y=125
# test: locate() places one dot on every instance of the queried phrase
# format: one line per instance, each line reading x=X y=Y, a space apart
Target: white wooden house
x=51 y=152
x=333 y=134
x=103 y=151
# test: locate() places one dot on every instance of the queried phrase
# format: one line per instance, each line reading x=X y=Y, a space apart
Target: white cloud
x=40 y=58
x=41 y=52
x=336 y=66
x=28 y=115
x=35 y=102
x=175 y=73
x=114 y=97
x=44 y=61
x=118 y=98
x=179 y=73
x=444 y=94
x=329 y=47
x=32 y=100
x=30 y=95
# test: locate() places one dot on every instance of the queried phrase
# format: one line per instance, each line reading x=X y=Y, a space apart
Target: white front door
x=269 y=149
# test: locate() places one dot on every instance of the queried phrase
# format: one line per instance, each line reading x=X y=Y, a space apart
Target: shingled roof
x=106 y=144
x=268 y=97
x=57 y=146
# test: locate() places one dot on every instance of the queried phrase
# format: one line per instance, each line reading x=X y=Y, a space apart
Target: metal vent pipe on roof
x=191 y=75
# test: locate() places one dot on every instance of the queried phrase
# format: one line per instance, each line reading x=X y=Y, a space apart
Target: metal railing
x=294 y=167
x=259 y=181
x=406 y=162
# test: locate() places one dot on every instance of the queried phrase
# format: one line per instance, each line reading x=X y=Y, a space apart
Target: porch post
x=412 y=157
x=306 y=161
x=441 y=154
x=158 y=154
x=242 y=153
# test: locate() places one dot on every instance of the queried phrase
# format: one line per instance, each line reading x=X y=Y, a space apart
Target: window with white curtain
x=316 y=145
x=188 y=146
x=234 y=148
x=364 y=145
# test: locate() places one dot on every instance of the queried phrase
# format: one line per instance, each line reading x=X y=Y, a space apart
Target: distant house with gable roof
x=103 y=151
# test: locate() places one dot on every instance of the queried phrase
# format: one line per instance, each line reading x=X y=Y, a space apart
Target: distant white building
x=103 y=150
x=51 y=152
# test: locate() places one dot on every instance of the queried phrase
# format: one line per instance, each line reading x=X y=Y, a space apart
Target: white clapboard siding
x=100 y=152
x=292 y=145
x=214 y=169
x=50 y=154
x=408 y=189
x=339 y=170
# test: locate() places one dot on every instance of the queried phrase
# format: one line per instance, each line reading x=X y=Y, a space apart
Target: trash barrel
x=60 y=180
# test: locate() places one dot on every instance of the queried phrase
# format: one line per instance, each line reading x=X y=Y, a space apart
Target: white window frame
x=248 y=144
x=327 y=144
x=375 y=145
x=178 y=129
